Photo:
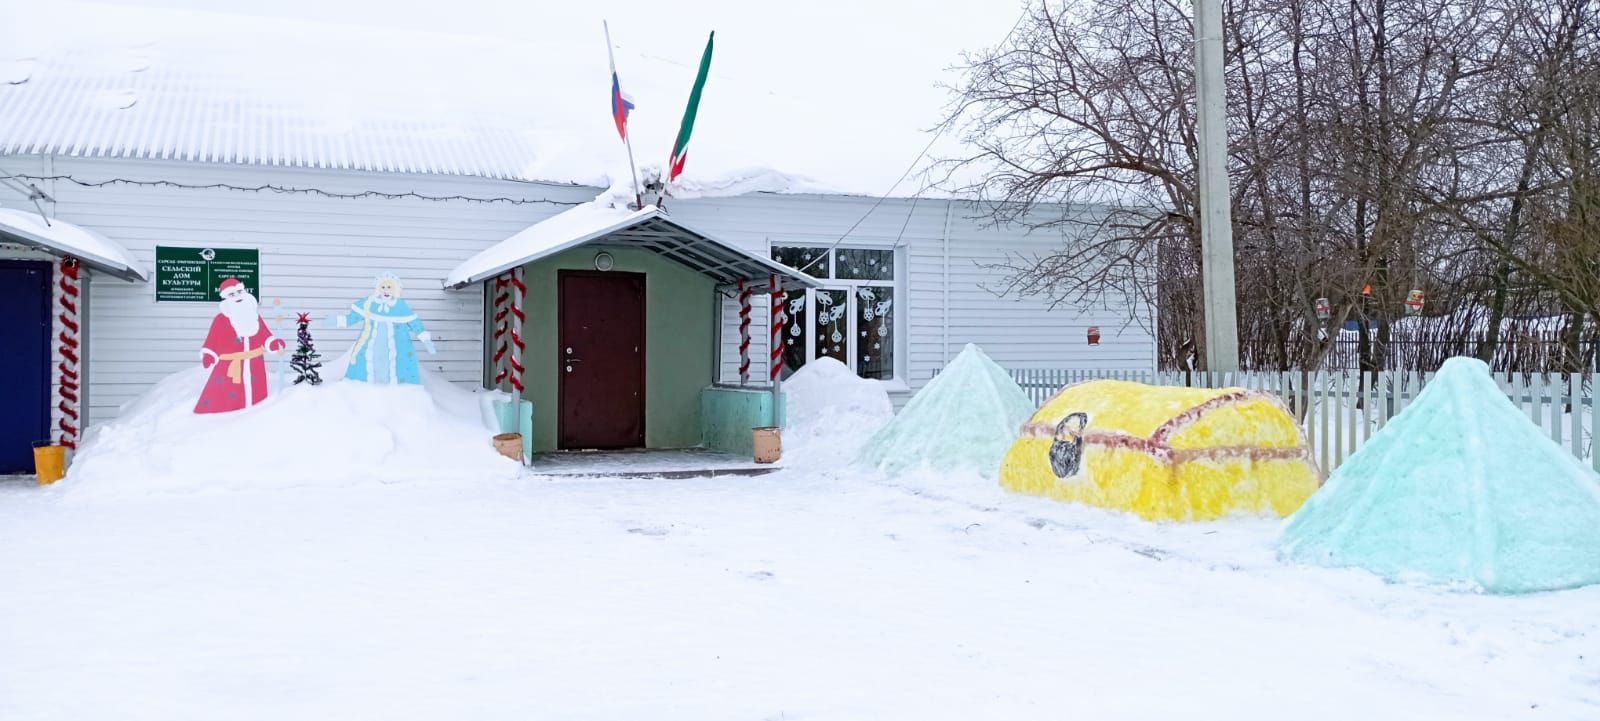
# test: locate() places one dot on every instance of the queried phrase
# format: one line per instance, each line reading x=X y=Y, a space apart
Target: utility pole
x=1216 y=223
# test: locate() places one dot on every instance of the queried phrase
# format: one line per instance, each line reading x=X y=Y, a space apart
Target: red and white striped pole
x=777 y=329
x=776 y=365
x=745 y=291
x=519 y=291
x=68 y=297
x=502 y=299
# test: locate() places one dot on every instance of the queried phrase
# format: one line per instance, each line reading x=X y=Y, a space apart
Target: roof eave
x=791 y=278
x=116 y=269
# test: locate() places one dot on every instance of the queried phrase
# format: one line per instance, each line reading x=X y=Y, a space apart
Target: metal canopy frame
x=725 y=264
x=654 y=231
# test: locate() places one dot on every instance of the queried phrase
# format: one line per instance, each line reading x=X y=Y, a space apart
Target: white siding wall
x=318 y=254
x=953 y=297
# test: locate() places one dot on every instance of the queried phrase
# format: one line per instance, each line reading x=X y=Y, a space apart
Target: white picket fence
x=1340 y=410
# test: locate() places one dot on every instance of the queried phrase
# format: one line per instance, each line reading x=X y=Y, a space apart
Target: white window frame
x=850 y=287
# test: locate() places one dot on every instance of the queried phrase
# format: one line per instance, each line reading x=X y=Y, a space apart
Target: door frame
x=644 y=346
x=48 y=329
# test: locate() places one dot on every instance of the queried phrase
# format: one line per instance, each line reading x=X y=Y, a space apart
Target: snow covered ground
x=798 y=595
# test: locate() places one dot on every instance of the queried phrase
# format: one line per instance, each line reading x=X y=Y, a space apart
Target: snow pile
x=1458 y=488
x=798 y=595
x=338 y=433
x=831 y=413
x=964 y=419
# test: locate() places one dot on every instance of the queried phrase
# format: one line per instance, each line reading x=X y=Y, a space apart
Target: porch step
x=648 y=463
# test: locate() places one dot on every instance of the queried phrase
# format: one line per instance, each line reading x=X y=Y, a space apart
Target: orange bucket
x=768 y=444
x=509 y=445
x=49 y=463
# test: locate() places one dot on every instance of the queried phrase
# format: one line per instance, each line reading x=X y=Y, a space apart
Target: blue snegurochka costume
x=383 y=352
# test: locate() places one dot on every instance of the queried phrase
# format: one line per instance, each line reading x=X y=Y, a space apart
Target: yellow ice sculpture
x=1165 y=453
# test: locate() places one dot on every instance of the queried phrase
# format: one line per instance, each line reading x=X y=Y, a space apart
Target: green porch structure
x=609 y=322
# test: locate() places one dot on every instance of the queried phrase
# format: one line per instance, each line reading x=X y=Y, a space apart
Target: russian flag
x=621 y=104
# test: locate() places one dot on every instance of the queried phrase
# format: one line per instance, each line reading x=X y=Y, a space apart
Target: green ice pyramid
x=1459 y=488
x=963 y=419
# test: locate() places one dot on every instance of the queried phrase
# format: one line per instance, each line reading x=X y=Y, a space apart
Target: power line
x=937 y=133
x=879 y=202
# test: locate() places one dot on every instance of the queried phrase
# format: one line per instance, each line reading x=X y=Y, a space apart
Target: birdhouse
x=1323 y=309
x=1414 y=301
x=1094 y=335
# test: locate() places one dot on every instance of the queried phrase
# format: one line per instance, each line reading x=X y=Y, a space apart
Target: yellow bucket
x=49 y=463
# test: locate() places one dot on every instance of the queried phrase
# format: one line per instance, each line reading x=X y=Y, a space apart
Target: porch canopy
x=649 y=228
x=62 y=238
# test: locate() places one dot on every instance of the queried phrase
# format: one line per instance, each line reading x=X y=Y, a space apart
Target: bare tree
x=1376 y=147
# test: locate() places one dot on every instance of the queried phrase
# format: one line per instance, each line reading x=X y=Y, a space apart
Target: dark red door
x=600 y=360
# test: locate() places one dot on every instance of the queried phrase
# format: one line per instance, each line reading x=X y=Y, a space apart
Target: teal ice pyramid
x=1459 y=488
x=963 y=419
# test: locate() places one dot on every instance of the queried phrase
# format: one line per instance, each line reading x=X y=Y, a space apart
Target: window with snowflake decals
x=850 y=320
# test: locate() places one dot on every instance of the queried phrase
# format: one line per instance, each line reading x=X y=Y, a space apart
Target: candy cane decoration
x=510 y=290
x=67 y=299
x=745 y=291
x=519 y=291
x=502 y=298
x=777 y=329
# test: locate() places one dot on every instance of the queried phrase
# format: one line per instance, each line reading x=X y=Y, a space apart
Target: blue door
x=25 y=364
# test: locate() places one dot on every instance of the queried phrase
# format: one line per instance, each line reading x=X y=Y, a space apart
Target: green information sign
x=192 y=274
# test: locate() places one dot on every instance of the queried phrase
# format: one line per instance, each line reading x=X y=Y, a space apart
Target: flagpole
x=638 y=197
x=627 y=139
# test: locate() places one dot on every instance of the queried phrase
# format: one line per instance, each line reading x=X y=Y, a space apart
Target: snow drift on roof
x=570 y=228
x=649 y=228
x=63 y=238
x=103 y=81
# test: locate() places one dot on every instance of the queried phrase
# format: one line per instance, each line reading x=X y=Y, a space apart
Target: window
x=851 y=319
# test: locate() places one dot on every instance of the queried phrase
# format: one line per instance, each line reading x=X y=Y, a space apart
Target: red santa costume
x=233 y=351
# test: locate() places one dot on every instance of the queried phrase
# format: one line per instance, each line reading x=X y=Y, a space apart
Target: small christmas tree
x=304 y=361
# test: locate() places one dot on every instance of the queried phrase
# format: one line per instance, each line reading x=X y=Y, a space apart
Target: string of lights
x=293 y=190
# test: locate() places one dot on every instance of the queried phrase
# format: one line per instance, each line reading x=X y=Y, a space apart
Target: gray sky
x=854 y=78
x=891 y=41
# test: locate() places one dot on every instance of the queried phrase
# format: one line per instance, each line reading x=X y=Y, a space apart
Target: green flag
x=680 y=149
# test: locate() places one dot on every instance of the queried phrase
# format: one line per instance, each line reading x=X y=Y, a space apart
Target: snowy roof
x=81 y=79
x=63 y=238
x=211 y=90
x=649 y=228
x=76 y=106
